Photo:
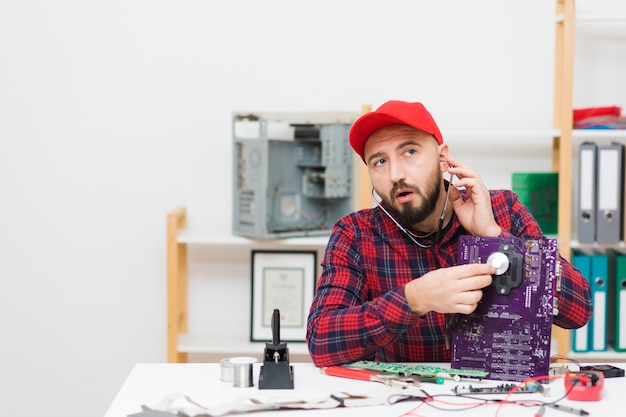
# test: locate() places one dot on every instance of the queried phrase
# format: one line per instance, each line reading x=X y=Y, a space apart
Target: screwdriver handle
x=344 y=372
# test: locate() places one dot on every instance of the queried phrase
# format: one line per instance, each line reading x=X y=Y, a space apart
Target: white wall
x=112 y=113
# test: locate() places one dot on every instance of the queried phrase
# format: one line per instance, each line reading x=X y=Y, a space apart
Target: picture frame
x=283 y=280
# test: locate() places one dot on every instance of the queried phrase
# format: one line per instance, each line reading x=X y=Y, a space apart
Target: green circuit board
x=419 y=370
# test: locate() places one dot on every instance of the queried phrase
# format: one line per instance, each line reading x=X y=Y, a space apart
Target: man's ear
x=444 y=152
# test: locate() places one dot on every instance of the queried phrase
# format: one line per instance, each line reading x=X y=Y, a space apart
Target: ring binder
x=609 y=193
x=580 y=336
x=587 y=193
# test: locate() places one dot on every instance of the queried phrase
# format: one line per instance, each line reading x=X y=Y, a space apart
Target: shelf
x=596 y=245
x=514 y=139
x=328 y=117
x=608 y=356
x=601 y=18
x=230 y=344
x=599 y=133
x=539 y=134
x=595 y=18
x=206 y=238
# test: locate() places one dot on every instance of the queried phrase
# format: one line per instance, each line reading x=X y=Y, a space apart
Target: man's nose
x=396 y=172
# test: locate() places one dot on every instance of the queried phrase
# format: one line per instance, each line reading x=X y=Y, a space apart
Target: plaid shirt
x=360 y=311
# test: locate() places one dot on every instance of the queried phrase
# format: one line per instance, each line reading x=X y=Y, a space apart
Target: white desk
x=148 y=384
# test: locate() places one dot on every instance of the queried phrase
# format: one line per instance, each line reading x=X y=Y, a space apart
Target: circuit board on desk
x=509 y=333
x=505 y=388
x=417 y=370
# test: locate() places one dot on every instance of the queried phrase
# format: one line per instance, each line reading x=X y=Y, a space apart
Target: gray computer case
x=292 y=173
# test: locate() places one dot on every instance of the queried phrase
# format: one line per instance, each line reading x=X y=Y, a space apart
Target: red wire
x=505 y=401
x=531 y=380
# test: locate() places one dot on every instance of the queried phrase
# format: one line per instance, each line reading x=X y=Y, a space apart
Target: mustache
x=401 y=184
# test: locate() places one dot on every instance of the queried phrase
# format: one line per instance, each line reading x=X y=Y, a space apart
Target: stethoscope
x=378 y=200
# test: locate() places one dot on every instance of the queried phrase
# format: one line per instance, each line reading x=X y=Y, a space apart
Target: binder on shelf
x=599 y=296
x=617 y=298
x=539 y=192
x=587 y=192
x=609 y=181
x=580 y=337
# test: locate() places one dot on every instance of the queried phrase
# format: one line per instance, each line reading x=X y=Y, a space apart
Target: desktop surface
x=150 y=384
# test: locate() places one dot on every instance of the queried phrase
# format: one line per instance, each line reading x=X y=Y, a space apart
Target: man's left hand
x=475 y=213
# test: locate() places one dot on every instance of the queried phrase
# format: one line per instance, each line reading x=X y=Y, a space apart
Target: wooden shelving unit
x=564 y=146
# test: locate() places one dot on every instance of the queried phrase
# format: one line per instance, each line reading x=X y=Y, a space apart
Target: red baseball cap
x=391 y=113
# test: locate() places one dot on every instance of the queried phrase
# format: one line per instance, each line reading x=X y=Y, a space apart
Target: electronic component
x=584 y=385
x=509 y=333
x=526 y=388
x=417 y=370
x=609 y=371
x=558 y=370
x=292 y=173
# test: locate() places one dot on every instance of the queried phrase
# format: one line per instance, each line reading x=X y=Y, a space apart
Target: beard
x=407 y=214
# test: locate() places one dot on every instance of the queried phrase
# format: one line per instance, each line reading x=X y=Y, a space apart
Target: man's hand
x=475 y=214
x=456 y=289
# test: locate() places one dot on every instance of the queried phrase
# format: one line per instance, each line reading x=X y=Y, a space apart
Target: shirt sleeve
x=573 y=293
x=343 y=324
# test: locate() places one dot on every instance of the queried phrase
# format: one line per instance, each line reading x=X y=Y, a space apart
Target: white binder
x=609 y=193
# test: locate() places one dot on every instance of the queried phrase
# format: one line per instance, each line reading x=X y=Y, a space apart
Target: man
x=389 y=282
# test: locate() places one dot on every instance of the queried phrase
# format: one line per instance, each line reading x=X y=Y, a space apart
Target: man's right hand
x=456 y=289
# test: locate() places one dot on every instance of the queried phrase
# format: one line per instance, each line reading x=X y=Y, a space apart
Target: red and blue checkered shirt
x=360 y=311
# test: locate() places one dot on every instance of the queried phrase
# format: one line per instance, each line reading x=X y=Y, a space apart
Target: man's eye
x=409 y=152
x=379 y=162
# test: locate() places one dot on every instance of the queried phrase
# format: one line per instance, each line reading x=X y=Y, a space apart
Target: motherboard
x=509 y=333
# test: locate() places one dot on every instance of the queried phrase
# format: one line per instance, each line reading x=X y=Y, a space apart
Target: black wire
x=339 y=400
x=398 y=398
x=482 y=401
x=449 y=318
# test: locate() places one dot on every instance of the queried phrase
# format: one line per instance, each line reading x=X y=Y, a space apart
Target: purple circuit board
x=509 y=333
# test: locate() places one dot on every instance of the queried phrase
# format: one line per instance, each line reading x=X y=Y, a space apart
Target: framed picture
x=282 y=280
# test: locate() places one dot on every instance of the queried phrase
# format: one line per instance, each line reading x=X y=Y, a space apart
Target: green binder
x=581 y=338
x=539 y=192
x=617 y=299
